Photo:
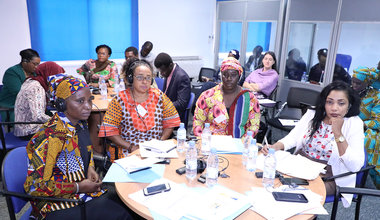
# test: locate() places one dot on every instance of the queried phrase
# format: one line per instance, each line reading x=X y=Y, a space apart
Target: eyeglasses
x=141 y=78
x=34 y=63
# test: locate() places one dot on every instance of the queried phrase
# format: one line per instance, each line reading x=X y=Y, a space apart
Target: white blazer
x=352 y=160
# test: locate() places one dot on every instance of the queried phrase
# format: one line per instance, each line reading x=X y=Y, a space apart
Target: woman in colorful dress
x=230 y=109
x=370 y=114
x=139 y=113
x=31 y=101
x=61 y=160
x=331 y=134
x=263 y=80
x=93 y=70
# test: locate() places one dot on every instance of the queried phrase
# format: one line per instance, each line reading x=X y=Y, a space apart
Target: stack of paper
x=288 y=122
x=263 y=203
x=181 y=201
x=133 y=163
x=158 y=148
x=294 y=165
x=226 y=144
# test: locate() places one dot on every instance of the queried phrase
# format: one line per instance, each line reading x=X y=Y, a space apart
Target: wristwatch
x=340 y=139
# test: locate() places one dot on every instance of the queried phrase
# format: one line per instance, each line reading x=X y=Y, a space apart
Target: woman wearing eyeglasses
x=230 y=109
x=102 y=67
x=15 y=76
x=139 y=113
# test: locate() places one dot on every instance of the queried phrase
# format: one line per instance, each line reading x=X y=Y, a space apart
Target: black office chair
x=204 y=72
x=298 y=98
x=349 y=190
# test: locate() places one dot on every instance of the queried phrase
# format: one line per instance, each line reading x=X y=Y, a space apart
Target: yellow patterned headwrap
x=63 y=86
x=231 y=63
x=365 y=74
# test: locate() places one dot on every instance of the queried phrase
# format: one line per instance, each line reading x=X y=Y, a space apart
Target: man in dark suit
x=177 y=83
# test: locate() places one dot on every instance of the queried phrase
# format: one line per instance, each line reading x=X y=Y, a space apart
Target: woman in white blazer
x=332 y=134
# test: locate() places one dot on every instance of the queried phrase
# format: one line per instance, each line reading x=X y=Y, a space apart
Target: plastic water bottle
x=191 y=161
x=121 y=85
x=206 y=139
x=116 y=85
x=103 y=87
x=269 y=169
x=212 y=171
x=252 y=155
x=246 y=143
x=304 y=77
x=181 y=138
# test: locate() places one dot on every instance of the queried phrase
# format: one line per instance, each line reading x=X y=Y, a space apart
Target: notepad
x=133 y=163
x=288 y=122
x=158 y=146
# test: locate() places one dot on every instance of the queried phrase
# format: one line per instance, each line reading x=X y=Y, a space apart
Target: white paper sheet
x=266 y=101
x=134 y=163
x=224 y=143
x=264 y=203
x=157 y=148
x=288 y=122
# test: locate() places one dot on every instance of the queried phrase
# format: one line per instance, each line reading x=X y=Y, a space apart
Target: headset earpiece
x=25 y=60
x=60 y=105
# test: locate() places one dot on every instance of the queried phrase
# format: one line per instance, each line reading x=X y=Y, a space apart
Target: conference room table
x=239 y=180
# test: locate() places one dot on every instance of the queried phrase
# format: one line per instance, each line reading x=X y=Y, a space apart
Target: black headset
x=60 y=105
x=132 y=67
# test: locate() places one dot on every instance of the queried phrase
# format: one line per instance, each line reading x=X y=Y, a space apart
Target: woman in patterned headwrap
x=139 y=113
x=263 y=80
x=230 y=109
x=61 y=159
x=370 y=114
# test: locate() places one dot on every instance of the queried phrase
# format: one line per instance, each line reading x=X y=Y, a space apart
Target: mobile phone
x=297 y=181
x=260 y=175
x=181 y=170
x=202 y=178
x=289 y=197
x=151 y=190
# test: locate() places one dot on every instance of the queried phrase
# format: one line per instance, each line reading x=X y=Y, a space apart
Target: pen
x=171 y=149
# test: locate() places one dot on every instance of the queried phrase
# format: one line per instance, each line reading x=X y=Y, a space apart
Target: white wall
x=14 y=35
x=179 y=27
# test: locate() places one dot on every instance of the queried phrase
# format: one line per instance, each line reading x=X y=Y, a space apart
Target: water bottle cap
x=191 y=143
x=271 y=150
x=213 y=150
x=181 y=125
x=249 y=133
x=207 y=125
x=121 y=80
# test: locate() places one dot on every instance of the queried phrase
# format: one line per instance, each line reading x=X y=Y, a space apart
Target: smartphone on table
x=289 y=197
x=151 y=190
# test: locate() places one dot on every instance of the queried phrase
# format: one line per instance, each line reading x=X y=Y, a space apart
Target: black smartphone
x=202 y=178
x=156 y=189
x=289 y=197
x=297 y=181
x=260 y=175
x=165 y=161
x=181 y=170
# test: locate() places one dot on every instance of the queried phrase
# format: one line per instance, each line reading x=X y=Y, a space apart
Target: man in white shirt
x=146 y=54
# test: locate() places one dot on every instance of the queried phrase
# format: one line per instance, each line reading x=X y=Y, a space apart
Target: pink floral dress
x=320 y=146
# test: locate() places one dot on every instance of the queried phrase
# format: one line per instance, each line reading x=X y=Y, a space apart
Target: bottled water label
x=191 y=169
x=212 y=173
x=181 y=145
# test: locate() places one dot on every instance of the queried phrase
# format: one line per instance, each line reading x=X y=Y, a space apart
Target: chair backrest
x=344 y=60
x=207 y=72
x=188 y=108
x=160 y=83
x=299 y=97
x=14 y=172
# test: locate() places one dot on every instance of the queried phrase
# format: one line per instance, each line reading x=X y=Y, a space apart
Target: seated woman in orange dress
x=139 y=113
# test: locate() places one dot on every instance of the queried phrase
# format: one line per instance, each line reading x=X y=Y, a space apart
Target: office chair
x=299 y=99
x=349 y=190
x=160 y=83
x=14 y=173
x=188 y=108
x=204 y=72
x=9 y=140
x=361 y=178
x=344 y=60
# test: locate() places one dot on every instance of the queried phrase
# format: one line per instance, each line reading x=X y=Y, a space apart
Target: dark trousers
x=107 y=206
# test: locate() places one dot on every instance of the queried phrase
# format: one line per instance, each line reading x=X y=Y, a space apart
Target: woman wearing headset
x=230 y=109
x=15 y=76
x=61 y=159
x=139 y=113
